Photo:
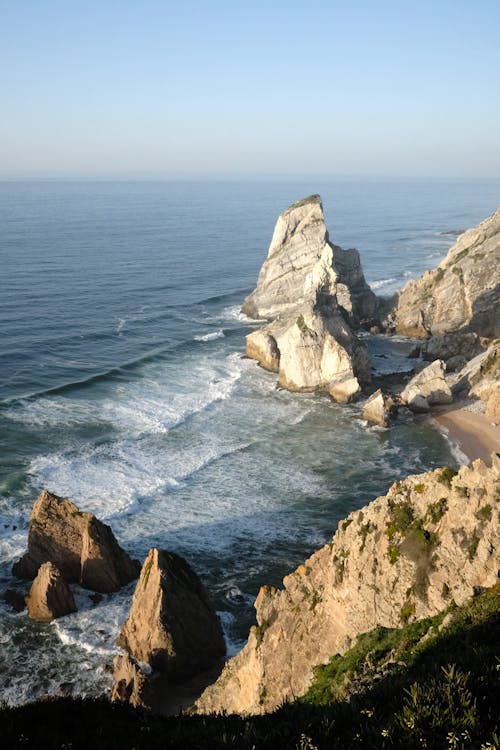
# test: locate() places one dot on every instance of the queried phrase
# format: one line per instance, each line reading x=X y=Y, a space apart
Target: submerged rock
x=461 y=294
x=82 y=547
x=50 y=596
x=433 y=539
x=171 y=635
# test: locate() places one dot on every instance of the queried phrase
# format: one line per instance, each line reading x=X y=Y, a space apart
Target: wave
x=210 y=336
x=382 y=282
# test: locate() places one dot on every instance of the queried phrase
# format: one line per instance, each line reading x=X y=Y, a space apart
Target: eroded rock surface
x=462 y=293
x=312 y=293
x=427 y=388
x=379 y=408
x=172 y=633
x=432 y=539
x=82 y=547
x=50 y=596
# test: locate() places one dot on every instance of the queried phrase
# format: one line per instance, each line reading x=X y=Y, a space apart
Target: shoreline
x=474 y=434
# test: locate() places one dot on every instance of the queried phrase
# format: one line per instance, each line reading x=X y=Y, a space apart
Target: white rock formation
x=427 y=388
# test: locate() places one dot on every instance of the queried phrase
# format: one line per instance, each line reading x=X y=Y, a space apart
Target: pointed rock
x=50 y=596
x=378 y=409
x=172 y=628
x=83 y=548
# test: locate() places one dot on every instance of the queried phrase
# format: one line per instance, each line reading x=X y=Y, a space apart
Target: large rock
x=50 y=596
x=379 y=408
x=433 y=539
x=451 y=345
x=82 y=547
x=462 y=293
x=172 y=628
x=428 y=388
x=311 y=292
x=302 y=264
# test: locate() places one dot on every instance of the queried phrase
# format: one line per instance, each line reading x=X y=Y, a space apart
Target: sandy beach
x=475 y=435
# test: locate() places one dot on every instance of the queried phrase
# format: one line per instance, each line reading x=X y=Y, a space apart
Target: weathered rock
x=311 y=292
x=432 y=539
x=262 y=346
x=302 y=264
x=318 y=350
x=492 y=411
x=172 y=628
x=462 y=293
x=50 y=596
x=379 y=408
x=429 y=384
x=345 y=391
x=451 y=345
x=15 y=599
x=82 y=547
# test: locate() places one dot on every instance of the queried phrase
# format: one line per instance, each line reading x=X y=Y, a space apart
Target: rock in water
x=50 y=596
x=378 y=409
x=432 y=539
x=312 y=292
x=302 y=264
x=463 y=292
x=82 y=547
x=172 y=628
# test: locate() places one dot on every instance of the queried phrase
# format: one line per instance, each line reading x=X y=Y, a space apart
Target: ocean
x=123 y=387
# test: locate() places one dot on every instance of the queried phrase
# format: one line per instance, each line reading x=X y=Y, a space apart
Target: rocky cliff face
x=172 y=629
x=432 y=539
x=462 y=293
x=313 y=293
x=50 y=595
x=82 y=547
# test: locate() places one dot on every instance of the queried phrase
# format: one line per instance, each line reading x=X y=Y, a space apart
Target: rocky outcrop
x=461 y=294
x=312 y=293
x=50 y=596
x=451 y=346
x=379 y=408
x=172 y=633
x=302 y=263
x=428 y=388
x=82 y=547
x=433 y=539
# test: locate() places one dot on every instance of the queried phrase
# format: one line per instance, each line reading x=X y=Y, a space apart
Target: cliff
x=462 y=293
x=434 y=538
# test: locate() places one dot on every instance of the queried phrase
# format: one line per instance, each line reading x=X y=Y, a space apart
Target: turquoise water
x=122 y=386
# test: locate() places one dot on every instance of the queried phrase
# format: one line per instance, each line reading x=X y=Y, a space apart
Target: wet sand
x=475 y=435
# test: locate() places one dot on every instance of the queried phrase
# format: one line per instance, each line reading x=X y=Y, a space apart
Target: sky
x=215 y=89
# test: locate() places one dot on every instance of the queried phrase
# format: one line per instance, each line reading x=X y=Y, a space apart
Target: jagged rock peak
x=302 y=266
x=462 y=293
x=82 y=547
x=172 y=627
x=50 y=596
x=432 y=539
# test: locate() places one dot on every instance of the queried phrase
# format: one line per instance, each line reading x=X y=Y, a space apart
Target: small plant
x=484 y=513
x=436 y=510
x=472 y=547
x=366 y=528
x=447 y=475
x=420 y=488
x=302 y=325
x=407 y=612
x=392 y=554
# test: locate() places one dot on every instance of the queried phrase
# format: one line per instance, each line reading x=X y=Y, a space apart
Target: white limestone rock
x=430 y=385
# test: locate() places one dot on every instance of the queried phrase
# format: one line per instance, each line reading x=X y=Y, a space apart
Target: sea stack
x=313 y=295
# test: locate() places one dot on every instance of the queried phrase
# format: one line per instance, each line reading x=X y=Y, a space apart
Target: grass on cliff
x=391 y=690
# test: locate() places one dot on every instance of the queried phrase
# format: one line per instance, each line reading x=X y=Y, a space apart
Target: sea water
x=123 y=387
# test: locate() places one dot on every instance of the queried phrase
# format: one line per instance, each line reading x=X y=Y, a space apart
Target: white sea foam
x=382 y=282
x=210 y=336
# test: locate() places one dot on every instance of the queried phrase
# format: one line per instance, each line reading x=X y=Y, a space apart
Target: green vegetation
x=447 y=475
x=407 y=612
x=346 y=523
x=302 y=325
x=472 y=547
x=420 y=488
x=147 y=571
x=484 y=513
x=366 y=528
x=439 y=275
x=406 y=534
x=436 y=510
x=392 y=689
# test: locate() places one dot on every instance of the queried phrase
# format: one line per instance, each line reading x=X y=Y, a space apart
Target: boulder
x=429 y=385
x=171 y=634
x=262 y=346
x=82 y=547
x=452 y=345
x=50 y=596
x=432 y=539
x=345 y=391
x=461 y=294
x=379 y=408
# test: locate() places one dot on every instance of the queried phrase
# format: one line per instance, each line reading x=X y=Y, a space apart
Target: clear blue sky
x=190 y=88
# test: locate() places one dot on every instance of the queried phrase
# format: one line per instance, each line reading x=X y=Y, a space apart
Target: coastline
x=474 y=434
